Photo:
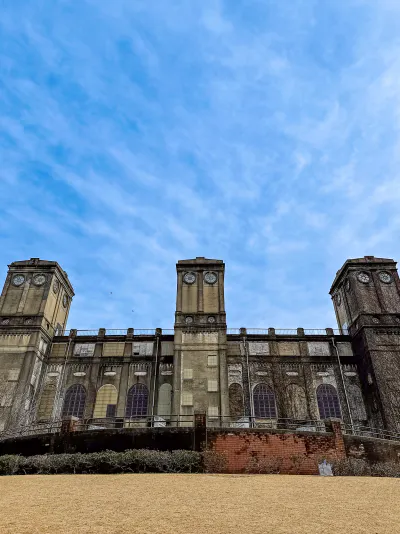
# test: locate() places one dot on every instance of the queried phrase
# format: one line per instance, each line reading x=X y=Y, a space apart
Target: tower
x=200 y=370
x=34 y=306
x=366 y=297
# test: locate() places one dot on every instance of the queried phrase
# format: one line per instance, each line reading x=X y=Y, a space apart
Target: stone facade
x=247 y=377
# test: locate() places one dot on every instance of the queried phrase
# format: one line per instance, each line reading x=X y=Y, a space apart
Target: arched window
x=328 y=402
x=164 y=401
x=136 y=404
x=236 y=400
x=106 y=401
x=74 y=403
x=264 y=401
x=46 y=402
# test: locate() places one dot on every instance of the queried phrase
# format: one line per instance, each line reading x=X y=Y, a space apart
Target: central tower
x=200 y=371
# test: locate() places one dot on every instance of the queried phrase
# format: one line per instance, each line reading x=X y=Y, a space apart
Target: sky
x=135 y=133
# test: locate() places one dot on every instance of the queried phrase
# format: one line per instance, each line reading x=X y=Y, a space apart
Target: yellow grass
x=163 y=504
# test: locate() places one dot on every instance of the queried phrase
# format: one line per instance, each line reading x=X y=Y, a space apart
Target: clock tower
x=34 y=306
x=200 y=370
x=366 y=297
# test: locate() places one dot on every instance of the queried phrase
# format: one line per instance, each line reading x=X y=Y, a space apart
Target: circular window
x=189 y=278
x=385 y=277
x=363 y=277
x=18 y=280
x=39 y=279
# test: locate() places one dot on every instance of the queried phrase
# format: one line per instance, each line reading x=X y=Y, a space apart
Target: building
x=238 y=377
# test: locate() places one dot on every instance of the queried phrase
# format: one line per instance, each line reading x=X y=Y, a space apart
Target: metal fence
x=188 y=421
x=229 y=331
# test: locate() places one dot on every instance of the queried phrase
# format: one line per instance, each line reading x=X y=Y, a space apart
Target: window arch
x=164 y=400
x=136 y=404
x=236 y=400
x=106 y=401
x=74 y=403
x=264 y=401
x=328 y=402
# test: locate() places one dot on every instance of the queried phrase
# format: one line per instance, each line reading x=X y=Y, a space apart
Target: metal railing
x=188 y=421
x=229 y=331
x=364 y=431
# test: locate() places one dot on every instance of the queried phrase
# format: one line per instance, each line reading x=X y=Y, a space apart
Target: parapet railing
x=190 y=421
x=232 y=331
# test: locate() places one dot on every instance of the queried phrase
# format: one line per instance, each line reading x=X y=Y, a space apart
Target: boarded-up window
x=187 y=399
x=106 y=395
x=142 y=349
x=213 y=411
x=264 y=401
x=213 y=385
x=164 y=401
x=318 y=348
x=84 y=350
x=113 y=349
x=58 y=350
x=236 y=400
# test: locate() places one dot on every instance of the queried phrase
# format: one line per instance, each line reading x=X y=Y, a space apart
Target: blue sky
x=261 y=132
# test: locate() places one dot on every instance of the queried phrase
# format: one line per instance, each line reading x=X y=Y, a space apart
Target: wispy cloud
x=134 y=134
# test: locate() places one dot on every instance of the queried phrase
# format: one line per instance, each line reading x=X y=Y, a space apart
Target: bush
x=351 y=467
x=130 y=461
x=264 y=465
x=214 y=462
x=360 y=468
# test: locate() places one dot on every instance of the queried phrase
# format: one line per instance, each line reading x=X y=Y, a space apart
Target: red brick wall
x=297 y=453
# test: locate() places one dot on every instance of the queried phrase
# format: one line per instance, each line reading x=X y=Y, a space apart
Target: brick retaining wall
x=296 y=453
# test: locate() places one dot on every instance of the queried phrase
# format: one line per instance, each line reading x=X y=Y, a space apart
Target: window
x=236 y=400
x=213 y=385
x=111 y=410
x=164 y=400
x=264 y=402
x=13 y=375
x=74 y=403
x=106 y=396
x=136 y=404
x=213 y=411
x=187 y=399
x=84 y=350
x=187 y=374
x=328 y=402
x=42 y=346
x=212 y=360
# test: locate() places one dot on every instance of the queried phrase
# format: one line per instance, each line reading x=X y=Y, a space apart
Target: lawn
x=163 y=504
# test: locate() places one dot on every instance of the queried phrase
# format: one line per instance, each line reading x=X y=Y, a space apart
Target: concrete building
x=238 y=377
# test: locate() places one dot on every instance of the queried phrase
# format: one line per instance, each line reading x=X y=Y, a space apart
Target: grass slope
x=163 y=504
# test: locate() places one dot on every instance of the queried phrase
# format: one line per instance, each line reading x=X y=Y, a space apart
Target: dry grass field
x=197 y=504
